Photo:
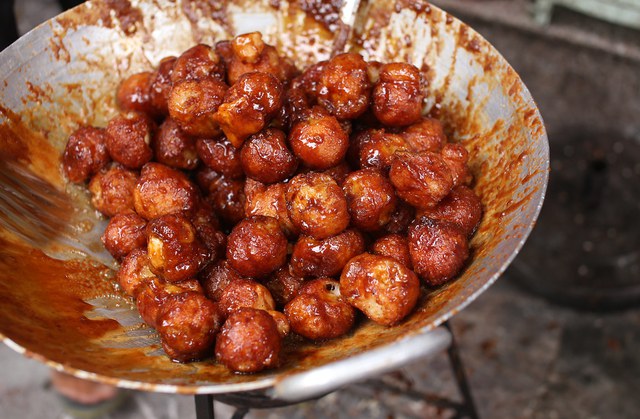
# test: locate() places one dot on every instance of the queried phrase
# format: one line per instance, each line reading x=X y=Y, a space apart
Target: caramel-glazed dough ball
x=461 y=207
x=155 y=293
x=129 y=140
x=397 y=96
x=379 y=150
x=197 y=63
x=124 y=233
x=318 y=139
x=249 y=341
x=215 y=277
x=133 y=94
x=245 y=293
x=284 y=285
x=85 y=154
x=112 y=190
x=175 y=251
x=317 y=206
x=319 y=311
x=438 y=250
x=188 y=324
x=226 y=196
x=161 y=85
x=173 y=147
x=270 y=201
x=344 y=88
x=394 y=246
x=249 y=105
x=371 y=199
x=256 y=246
x=162 y=190
x=457 y=157
x=135 y=272
x=421 y=179
x=221 y=156
x=266 y=158
x=325 y=257
x=247 y=53
x=193 y=103
x=425 y=135
x=385 y=290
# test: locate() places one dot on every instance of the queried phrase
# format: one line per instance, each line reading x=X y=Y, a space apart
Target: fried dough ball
x=438 y=250
x=221 y=156
x=249 y=341
x=379 y=149
x=421 y=179
x=397 y=97
x=319 y=311
x=256 y=246
x=244 y=293
x=161 y=85
x=284 y=284
x=457 y=157
x=249 y=105
x=270 y=201
x=129 y=140
x=175 y=251
x=400 y=219
x=371 y=199
x=343 y=86
x=425 y=135
x=394 y=246
x=135 y=272
x=247 y=53
x=385 y=290
x=124 y=233
x=461 y=207
x=226 y=196
x=327 y=257
x=173 y=147
x=188 y=324
x=162 y=190
x=155 y=293
x=215 y=277
x=318 y=139
x=197 y=63
x=317 y=206
x=85 y=154
x=284 y=327
x=193 y=104
x=112 y=190
x=133 y=94
x=266 y=158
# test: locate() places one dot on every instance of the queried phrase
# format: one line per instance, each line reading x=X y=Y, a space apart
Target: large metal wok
x=60 y=306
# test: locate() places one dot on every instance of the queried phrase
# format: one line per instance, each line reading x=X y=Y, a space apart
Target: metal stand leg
x=461 y=378
x=204 y=406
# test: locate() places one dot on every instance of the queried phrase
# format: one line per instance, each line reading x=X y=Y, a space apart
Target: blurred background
x=558 y=336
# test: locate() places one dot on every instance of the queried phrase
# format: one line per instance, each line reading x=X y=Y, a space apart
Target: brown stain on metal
x=195 y=10
x=325 y=12
x=21 y=144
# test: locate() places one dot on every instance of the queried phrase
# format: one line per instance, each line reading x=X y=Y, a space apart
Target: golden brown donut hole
x=133 y=94
x=266 y=158
x=397 y=97
x=197 y=63
x=221 y=156
x=129 y=139
x=461 y=207
x=319 y=311
x=161 y=85
x=256 y=246
x=135 y=272
x=124 y=233
x=325 y=257
x=371 y=199
x=343 y=86
x=112 y=190
x=193 y=103
x=421 y=179
x=85 y=154
x=394 y=246
x=385 y=290
x=249 y=341
x=244 y=293
x=173 y=147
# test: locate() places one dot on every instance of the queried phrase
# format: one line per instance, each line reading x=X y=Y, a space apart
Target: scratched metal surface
x=63 y=309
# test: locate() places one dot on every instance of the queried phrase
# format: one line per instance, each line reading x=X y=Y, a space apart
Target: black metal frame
x=464 y=409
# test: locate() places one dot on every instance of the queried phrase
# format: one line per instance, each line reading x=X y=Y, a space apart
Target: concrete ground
x=525 y=358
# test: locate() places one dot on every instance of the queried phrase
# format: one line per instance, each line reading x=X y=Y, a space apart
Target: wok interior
x=68 y=313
